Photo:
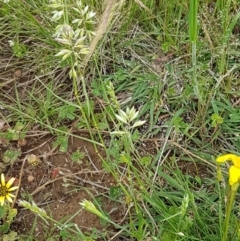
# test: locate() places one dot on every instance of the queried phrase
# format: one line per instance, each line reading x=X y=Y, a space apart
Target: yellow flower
x=6 y=189
x=234 y=170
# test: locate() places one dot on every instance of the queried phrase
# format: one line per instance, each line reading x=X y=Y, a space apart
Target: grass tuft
x=152 y=85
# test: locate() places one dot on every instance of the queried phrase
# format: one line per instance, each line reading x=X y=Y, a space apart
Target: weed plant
x=151 y=75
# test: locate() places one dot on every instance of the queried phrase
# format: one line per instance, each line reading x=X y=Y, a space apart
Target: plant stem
x=230 y=202
x=193 y=32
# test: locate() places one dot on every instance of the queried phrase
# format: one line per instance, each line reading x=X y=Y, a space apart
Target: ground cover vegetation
x=112 y=116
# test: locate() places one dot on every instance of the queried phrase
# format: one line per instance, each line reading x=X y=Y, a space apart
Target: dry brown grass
x=110 y=6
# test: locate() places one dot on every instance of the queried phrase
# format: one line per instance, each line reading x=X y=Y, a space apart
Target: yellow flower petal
x=227 y=157
x=236 y=161
x=11 y=195
x=3 y=180
x=9 y=198
x=2 y=198
x=230 y=157
x=10 y=182
x=234 y=175
x=13 y=188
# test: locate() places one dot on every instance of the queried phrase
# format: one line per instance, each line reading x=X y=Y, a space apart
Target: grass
x=177 y=63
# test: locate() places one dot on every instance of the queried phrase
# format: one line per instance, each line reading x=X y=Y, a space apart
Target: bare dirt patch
x=57 y=184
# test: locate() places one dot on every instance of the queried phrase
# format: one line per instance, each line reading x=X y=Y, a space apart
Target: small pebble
x=30 y=178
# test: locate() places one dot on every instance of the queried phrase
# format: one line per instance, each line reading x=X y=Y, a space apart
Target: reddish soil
x=58 y=185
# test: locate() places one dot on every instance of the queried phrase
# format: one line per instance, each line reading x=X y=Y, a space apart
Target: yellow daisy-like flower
x=234 y=170
x=6 y=189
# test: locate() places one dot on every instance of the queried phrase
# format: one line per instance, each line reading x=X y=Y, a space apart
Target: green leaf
x=114 y=192
x=11 y=156
x=171 y=181
x=19 y=50
x=77 y=156
x=136 y=135
x=12 y=214
x=5 y=227
x=146 y=160
x=235 y=117
x=62 y=142
x=96 y=88
x=123 y=159
x=12 y=135
x=12 y=236
x=216 y=120
x=165 y=46
x=65 y=235
x=167 y=236
x=19 y=126
x=103 y=125
x=67 y=112
x=3 y=212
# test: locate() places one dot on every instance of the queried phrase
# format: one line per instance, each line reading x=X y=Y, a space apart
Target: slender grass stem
x=193 y=38
x=229 y=207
